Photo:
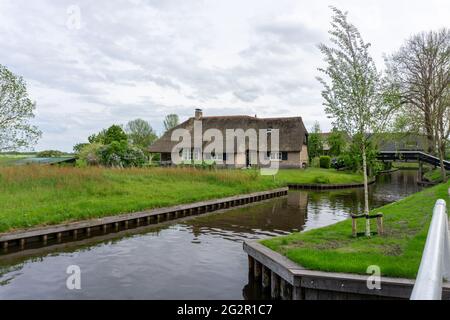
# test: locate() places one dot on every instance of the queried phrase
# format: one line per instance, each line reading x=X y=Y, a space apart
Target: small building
x=292 y=149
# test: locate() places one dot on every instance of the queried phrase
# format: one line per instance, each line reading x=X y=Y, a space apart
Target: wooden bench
x=378 y=216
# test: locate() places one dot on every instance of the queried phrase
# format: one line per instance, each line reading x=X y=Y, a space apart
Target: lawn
x=42 y=195
x=398 y=252
x=318 y=175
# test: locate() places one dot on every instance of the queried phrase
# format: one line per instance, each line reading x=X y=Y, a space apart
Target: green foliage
x=353 y=160
x=140 y=134
x=16 y=109
x=90 y=154
x=325 y=162
x=79 y=146
x=50 y=154
x=315 y=143
x=115 y=133
x=337 y=142
x=171 y=121
x=120 y=154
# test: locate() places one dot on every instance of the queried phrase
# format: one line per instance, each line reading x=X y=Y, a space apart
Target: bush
x=49 y=154
x=325 y=162
x=315 y=162
x=90 y=154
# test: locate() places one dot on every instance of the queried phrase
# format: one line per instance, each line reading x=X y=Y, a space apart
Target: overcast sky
x=144 y=59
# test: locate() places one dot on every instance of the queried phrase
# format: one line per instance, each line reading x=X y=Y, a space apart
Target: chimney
x=198 y=114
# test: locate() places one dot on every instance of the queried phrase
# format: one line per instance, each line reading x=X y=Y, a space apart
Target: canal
x=195 y=258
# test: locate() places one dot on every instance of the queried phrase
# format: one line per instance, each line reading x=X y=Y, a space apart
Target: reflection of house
x=292 y=151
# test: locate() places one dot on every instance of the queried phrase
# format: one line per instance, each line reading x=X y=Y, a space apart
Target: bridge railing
x=435 y=264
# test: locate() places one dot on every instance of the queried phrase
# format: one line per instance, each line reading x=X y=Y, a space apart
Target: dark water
x=198 y=258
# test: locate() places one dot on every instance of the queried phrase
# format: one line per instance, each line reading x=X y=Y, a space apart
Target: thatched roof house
x=293 y=139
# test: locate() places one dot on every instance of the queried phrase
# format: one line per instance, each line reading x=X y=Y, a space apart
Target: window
x=186 y=155
x=277 y=156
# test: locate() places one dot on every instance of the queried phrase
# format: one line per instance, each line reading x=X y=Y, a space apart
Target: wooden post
x=75 y=234
x=88 y=232
x=285 y=290
x=258 y=267
x=420 y=171
x=380 y=224
x=265 y=278
x=138 y=222
x=274 y=285
x=22 y=244
x=149 y=218
x=59 y=236
x=116 y=225
x=44 y=239
x=297 y=293
x=126 y=224
x=251 y=265
x=354 y=227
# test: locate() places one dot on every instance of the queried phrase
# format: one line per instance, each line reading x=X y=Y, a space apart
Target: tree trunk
x=441 y=160
x=366 y=190
x=429 y=132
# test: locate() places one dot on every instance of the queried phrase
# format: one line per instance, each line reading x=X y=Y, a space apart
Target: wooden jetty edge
x=287 y=280
x=85 y=228
x=318 y=186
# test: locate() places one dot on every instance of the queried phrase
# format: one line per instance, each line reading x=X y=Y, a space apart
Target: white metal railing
x=435 y=264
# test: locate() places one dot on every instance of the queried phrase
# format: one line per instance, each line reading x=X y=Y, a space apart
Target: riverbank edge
x=317 y=186
x=288 y=280
x=74 y=229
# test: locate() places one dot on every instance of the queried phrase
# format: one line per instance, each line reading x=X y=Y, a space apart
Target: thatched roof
x=292 y=131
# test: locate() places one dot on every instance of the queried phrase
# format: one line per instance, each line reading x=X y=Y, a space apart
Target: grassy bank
x=41 y=195
x=317 y=175
x=398 y=252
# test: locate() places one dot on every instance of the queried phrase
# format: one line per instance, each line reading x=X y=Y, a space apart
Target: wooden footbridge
x=412 y=155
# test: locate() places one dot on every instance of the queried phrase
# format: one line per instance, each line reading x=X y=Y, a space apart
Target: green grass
x=434 y=175
x=317 y=175
x=44 y=195
x=405 y=165
x=398 y=252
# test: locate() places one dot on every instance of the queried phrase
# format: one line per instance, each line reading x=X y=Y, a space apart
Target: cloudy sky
x=89 y=64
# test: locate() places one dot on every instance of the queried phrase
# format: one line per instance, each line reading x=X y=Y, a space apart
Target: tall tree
x=353 y=90
x=140 y=133
x=442 y=123
x=171 y=121
x=16 y=109
x=420 y=72
x=315 y=143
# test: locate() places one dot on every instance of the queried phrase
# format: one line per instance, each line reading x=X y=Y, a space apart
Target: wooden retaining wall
x=287 y=280
x=71 y=231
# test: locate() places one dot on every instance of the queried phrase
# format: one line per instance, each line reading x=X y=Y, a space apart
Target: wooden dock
x=72 y=231
x=286 y=280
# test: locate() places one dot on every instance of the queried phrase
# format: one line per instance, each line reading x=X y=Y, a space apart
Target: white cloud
x=146 y=59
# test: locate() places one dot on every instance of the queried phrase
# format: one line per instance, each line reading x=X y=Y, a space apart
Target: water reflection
x=197 y=258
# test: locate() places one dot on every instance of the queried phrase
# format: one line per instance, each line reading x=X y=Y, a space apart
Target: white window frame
x=276 y=156
x=186 y=154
